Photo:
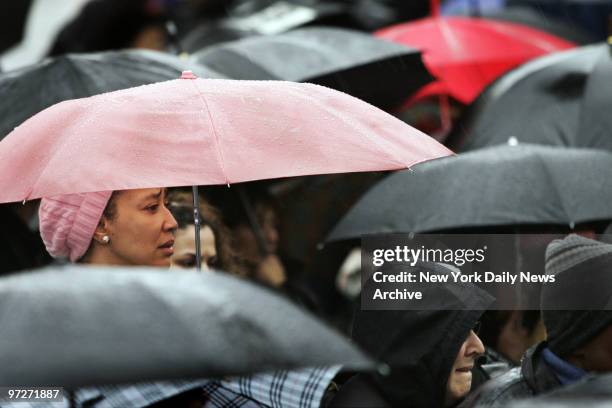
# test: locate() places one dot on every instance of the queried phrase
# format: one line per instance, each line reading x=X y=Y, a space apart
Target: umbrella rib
x=551 y=176
x=337 y=115
x=214 y=129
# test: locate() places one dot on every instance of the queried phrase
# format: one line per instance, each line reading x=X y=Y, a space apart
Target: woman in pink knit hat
x=128 y=227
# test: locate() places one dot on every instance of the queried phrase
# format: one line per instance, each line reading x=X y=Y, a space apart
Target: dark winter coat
x=533 y=377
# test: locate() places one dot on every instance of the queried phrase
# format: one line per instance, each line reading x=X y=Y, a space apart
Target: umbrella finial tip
x=513 y=141
x=188 y=75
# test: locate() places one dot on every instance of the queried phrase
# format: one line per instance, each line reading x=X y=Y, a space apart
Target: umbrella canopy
x=380 y=72
x=558 y=100
x=194 y=131
x=29 y=90
x=78 y=326
x=246 y=18
x=465 y=54
x=505 y=185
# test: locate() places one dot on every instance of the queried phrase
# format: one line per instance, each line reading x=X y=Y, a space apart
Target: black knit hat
x=578 y=305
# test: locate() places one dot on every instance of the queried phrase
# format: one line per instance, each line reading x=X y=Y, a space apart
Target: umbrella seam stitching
x=214 y=129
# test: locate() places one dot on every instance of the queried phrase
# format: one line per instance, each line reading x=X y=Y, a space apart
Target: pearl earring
x=106 y=239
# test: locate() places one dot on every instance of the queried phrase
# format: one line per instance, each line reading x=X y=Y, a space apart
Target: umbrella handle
x=196 y=223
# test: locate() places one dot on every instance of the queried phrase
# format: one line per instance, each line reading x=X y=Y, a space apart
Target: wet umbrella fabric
x=556 y=100
x=78 y=326
x=379 y=72
x=194 y=131
x=504 y=185
x=29 y=90
x=466 y=54
x=261 y=17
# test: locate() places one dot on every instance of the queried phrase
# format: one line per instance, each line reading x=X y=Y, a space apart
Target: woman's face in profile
x=184 y=248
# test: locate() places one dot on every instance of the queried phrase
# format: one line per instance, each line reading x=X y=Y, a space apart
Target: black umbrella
x=498 y=186
x=29 y=90
x=79 y=326
x=245 y=18
x=561 y=99
x=377 y=71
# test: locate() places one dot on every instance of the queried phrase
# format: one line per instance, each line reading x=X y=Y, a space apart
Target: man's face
x=460 y=379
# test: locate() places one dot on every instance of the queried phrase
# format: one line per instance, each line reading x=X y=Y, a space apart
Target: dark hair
x=110 y=211
x=493 y=322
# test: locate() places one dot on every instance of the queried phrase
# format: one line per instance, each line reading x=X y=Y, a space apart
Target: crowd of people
x=432 y=357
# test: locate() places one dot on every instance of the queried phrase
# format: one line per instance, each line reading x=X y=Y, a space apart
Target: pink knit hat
x=68 y=222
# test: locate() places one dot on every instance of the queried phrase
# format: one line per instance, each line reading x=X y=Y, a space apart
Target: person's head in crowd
x=260 y=258
x=511 y=332
x=431 y=352
x=114 y=24
x=577 y=309
x=215 y=246
x=577 y=315
x=128 y=227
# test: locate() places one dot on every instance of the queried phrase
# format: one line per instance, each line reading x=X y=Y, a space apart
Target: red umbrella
x=466 y=54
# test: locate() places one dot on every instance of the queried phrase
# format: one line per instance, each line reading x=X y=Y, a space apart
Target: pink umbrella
x=202 y=131
x=194 y=131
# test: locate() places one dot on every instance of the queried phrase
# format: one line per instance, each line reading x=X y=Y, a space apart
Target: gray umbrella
x=31 y=89
x=497 y=186
x=79 y=326
x=377 y=71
